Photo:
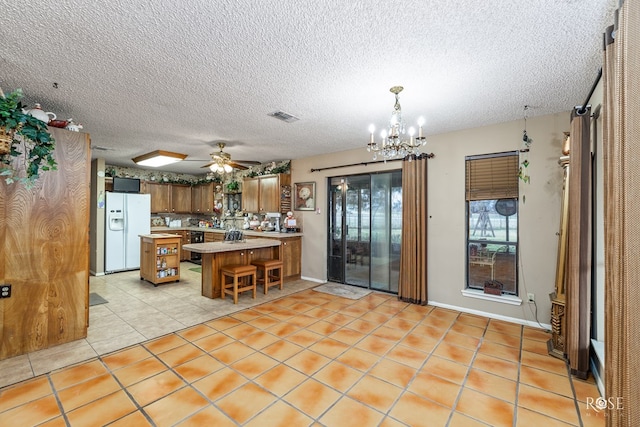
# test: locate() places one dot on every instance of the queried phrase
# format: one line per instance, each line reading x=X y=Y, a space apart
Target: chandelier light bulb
x=420 y=123
x=227 y=168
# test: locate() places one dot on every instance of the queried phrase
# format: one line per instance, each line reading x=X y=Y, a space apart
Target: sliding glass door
x=365 y=224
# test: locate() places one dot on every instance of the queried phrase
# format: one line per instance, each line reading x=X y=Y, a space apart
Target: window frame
x=504 y=186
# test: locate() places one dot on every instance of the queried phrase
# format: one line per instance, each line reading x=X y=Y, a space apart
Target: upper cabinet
x=160 y=196
x=251 y=194
x=202 y=198
x=180 y=198
x=168 y=198
x=262 y=194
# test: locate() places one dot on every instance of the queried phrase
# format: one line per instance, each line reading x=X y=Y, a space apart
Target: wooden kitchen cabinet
x=202 y=198
x=180 y=198
x=292 y=256
x=261 y=194
x=160 y=196
x=251 y=195
x=212 y=236
x=185 y=238
x=160 y=258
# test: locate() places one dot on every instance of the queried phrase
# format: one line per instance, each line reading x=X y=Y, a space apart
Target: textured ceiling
x=180 y=76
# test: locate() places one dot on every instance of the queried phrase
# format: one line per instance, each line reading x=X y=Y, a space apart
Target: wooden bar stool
x=237 y=272
x=271 y=272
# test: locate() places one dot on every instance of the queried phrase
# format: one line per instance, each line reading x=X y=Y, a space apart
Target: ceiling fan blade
x=237 y=166
x=248 y=162
x=208 y=164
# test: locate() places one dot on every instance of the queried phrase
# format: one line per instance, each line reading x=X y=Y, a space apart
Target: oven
x=196 y=237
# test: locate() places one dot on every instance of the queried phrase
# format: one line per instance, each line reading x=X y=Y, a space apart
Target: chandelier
x=394 y=142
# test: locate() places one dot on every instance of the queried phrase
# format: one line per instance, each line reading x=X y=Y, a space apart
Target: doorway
x=365 y=224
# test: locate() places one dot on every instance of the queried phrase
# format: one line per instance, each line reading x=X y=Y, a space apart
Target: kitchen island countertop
x=252 y=233
x=216 y=247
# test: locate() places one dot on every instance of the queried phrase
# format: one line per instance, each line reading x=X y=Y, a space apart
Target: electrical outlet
x=5 y=291
x=531 y=297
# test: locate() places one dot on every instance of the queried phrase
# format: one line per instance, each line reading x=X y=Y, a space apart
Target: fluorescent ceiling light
x=158 y=158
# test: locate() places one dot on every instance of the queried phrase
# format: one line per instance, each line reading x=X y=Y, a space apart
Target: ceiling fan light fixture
x=221 y=168
x=158 y=158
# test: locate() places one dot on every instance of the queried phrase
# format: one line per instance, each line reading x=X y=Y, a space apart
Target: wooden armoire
x=44 y=252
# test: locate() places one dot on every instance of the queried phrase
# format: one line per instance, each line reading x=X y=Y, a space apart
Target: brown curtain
x=578 y=269
x=622 y=217
x=413 y=256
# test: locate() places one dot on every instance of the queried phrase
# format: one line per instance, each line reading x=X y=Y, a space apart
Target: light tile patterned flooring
x=309 y=358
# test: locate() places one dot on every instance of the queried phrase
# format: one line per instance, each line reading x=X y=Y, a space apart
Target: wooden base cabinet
x=185 y=238
x=213 y=236
x=292 y=256
x=160 y=258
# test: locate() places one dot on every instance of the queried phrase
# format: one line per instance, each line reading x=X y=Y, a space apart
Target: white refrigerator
x=127 y=216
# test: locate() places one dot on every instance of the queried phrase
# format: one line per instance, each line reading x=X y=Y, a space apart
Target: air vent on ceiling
x=285 y=117
x=99 y=148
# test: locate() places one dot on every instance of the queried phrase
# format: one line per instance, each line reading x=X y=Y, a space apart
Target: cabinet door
x=180 y=198
x=250 y=195
x=147 y=258
x=196 y=199
x=185 y=237
x=269 y=194
x=213 y=236
x=160 y=197
x=292 y=254
x=206 y=198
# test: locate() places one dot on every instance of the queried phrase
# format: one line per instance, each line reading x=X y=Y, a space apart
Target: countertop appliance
x=196 y=237
x=274 y=220
x=127 y=216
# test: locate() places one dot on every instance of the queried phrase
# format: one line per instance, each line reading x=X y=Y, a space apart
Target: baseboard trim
x=313 y=279
x=493 y=315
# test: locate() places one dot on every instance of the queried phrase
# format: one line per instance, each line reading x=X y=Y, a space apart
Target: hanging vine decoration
x=523 y=171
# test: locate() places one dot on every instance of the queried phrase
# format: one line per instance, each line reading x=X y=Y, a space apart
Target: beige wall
x=539 y=215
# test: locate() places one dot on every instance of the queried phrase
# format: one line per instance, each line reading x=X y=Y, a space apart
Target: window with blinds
x=493 y=176
x=492 y=222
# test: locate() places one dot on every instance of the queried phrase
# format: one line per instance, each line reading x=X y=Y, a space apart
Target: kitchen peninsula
x=218 y=254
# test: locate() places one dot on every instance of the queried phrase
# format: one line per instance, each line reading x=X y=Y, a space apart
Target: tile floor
x=301 y=359
x=136 y=312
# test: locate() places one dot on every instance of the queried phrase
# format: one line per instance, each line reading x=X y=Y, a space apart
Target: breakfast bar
x=218 y=254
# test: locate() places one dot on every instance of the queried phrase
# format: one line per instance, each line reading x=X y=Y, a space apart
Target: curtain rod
x=355 y=164
x=583 y=107
x=429 y=156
